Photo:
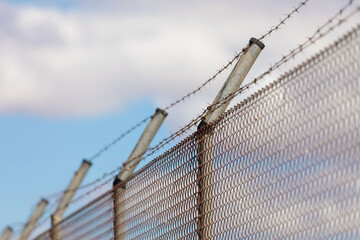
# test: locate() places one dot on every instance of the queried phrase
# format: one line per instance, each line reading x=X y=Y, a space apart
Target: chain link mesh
x=283 y=164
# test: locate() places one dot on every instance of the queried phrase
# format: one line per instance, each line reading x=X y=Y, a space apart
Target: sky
x=74 y=75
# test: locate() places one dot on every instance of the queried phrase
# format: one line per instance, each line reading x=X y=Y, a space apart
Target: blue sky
x=74 y=75
x=59 y=4
x=41 y=154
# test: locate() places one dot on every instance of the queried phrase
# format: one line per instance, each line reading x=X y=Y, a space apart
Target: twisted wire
x=318 y=34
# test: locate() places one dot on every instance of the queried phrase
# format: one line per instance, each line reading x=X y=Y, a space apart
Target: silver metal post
x=6 y=234
x=205 y=137
x=234 y=80
x=127 y=170
x=31 y=224
x=68 y=195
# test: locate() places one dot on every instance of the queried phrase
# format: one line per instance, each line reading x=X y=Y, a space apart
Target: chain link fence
x=283 y=164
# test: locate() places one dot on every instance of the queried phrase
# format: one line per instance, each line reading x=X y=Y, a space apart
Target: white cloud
x=85 y=62
x=75 y=63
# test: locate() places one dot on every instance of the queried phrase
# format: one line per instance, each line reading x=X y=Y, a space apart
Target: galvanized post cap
x=257 y=42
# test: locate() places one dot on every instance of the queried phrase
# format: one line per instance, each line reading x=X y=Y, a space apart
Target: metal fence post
x=127 y=170
x=205 y=137
x=68 y=195
x=6 y=234
x=31 y=224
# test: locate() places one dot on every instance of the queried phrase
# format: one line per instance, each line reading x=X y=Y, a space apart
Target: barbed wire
x=318 y=34
x=106 y=147
x=229 y=63
x=176 y=102
x=310 y=41
x=212 y=107
x=282 y=21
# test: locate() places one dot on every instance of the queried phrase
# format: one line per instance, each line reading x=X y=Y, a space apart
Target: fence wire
x=282 y=164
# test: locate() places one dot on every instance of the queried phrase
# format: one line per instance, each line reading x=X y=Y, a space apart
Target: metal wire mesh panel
x=283 y=164
x=159 y=201
x=94 y=221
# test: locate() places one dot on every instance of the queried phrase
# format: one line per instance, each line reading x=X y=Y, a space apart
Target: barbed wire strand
x=310 y=41
x=183 y=98
x=229 y=63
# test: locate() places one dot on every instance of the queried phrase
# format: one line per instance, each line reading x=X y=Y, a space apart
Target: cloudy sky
x=74 y=75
